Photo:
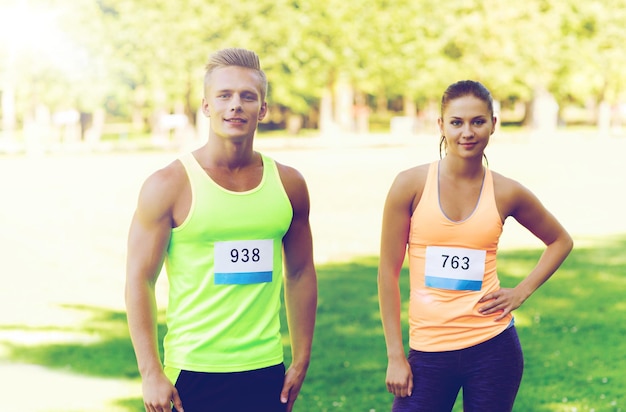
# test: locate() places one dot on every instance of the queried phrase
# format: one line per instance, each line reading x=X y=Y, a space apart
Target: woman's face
x=467 y=124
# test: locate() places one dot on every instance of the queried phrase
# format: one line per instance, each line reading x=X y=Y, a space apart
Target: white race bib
x=454 y=268
x=243 y=262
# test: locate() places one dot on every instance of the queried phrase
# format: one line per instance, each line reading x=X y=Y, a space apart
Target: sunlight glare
x=32 y=31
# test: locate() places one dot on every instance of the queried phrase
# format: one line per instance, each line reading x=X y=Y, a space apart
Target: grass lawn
x=66 y=215
x=571 y=331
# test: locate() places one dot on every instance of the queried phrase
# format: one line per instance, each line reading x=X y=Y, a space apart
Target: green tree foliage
x=592 y=55
x=138 y=56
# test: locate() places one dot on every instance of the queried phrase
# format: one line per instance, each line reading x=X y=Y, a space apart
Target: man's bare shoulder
x=166 y=178
x=163 y=186
x=287 y=172
x=295 y=186
x=292 y=180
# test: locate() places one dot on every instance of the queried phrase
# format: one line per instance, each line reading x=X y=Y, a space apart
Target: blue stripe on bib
x=453 y=284
x=243 y=278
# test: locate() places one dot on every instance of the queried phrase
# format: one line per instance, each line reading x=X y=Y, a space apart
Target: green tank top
x=224 y=267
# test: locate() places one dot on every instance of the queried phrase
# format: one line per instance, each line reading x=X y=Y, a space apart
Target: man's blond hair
x=235 y=57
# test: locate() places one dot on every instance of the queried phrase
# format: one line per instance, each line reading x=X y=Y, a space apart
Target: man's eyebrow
x=244 y=91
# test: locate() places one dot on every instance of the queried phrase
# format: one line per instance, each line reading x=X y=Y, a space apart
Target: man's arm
x=147 y=241
x=300 y=284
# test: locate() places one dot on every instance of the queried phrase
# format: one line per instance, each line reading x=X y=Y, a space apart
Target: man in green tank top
x=221 y=218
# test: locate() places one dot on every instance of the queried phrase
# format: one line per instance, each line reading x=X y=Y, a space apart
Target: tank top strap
x=430 y=193
x=270 y=169
x=195 y=172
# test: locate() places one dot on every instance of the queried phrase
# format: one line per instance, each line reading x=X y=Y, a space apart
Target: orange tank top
x=452 y=265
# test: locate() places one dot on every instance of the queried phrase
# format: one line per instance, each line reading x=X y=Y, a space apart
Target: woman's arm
x=526 y=208
x=394 y=237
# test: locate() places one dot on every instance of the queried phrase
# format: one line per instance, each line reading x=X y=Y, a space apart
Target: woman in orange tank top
x=449 y=215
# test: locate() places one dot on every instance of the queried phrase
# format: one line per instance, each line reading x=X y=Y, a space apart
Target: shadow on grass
x=572 y=332
x=106 y=352
x=110 y=356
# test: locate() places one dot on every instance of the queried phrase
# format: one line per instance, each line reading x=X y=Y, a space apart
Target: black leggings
x=490 y=374
x=256 y=390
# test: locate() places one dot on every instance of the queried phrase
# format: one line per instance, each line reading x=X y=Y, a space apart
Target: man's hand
x=291 y=388
x=159 y=394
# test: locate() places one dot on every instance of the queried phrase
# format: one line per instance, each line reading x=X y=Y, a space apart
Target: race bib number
x=243 y=262
x=454 y=268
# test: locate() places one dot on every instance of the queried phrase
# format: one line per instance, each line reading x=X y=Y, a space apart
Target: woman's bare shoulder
x=409 y=183
x=505 y=185
x=414 y=175
x=406 y=190
x=510 y=194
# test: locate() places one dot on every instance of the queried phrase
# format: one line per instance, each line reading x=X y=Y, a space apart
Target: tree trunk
x=326 y=113
x=603 y=116
x=344 y=105
x=9 y=118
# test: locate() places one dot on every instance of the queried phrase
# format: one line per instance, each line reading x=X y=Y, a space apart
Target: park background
x=95 y=95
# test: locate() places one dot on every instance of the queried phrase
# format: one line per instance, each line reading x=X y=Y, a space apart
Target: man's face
x=233 y=101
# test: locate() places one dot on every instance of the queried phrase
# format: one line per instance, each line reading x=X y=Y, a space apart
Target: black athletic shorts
x=249 y=391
